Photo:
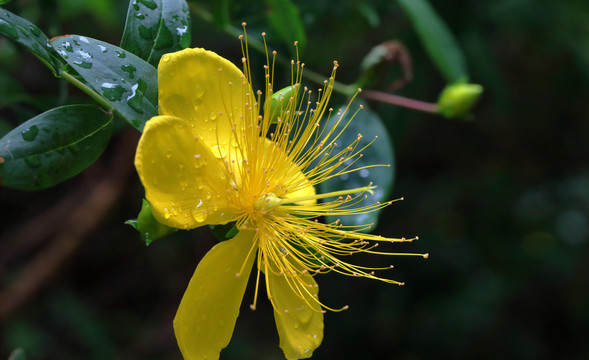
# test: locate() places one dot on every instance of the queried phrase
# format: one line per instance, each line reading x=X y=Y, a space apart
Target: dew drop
x=33 y=161
x=199 y=91
x=129 y=69
x=34 y=30
x=112 y=92
x=166 y=213
x=30 y=134
x=145 y=32
x=218 y=152
x=199 y=161
x=199 y=215
x=213 y=116
x=68 y=47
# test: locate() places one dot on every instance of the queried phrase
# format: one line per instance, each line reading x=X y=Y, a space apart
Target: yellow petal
x=185 y=184
x=206 y=317
x=298 y=316
x=192 y=87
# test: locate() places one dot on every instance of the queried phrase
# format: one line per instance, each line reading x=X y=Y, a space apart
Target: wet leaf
x=31 y=37
x=53 y=146
x=148 y=226
x=285 y=20
x=380 y=152
x=437 y=39
x=156 y=27
x=126 y=81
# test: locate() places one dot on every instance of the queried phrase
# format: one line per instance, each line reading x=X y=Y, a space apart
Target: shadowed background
x=500 y=203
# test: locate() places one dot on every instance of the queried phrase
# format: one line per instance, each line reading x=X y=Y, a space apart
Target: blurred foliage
x=501 y=203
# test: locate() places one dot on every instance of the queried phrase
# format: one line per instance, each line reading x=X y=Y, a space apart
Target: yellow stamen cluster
x=277 y=156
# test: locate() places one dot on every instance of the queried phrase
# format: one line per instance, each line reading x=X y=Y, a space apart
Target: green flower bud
x=148 y=226
x=457 y=99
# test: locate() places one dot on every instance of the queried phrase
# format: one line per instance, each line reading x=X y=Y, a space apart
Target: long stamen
x=369 y=189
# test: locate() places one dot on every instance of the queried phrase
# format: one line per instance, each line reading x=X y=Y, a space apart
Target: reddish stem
x=400 y=101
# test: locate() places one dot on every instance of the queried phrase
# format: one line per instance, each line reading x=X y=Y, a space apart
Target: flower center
x=267 y=202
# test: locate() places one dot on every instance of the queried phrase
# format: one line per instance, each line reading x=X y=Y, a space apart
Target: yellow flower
x=218 y=154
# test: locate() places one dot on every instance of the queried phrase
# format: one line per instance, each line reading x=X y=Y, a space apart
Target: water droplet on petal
x=166 y=213
x=199 y=161
x=199 y=91
x=199 y=215
x=218 y=152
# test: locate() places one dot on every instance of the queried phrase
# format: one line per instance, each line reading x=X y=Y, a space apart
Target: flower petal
x=205 y=89
x=206 y=317
x=184 y=183
x=298 y=315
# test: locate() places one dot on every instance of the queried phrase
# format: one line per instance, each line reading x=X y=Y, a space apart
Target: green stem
x=90 y=92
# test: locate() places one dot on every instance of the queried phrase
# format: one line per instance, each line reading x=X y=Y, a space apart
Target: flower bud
x=457 y=99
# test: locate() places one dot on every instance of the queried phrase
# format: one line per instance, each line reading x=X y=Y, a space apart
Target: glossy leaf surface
x=53 y=146
x=31 y=37
x=126 y=81
x=156 y=27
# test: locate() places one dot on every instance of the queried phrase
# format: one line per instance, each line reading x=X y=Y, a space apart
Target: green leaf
x=280 y=101
x=224 y=231
x=31 y=37
x=127 y=82
x=380 y=152
x=368 y=11
x=53 y=146
x=221 y=15
x=148 y=226
x=285 y=19
x=437 y=39
x=156 y=27
x=17 y=354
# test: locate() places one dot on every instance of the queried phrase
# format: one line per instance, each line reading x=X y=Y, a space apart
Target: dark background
x=500 y=203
